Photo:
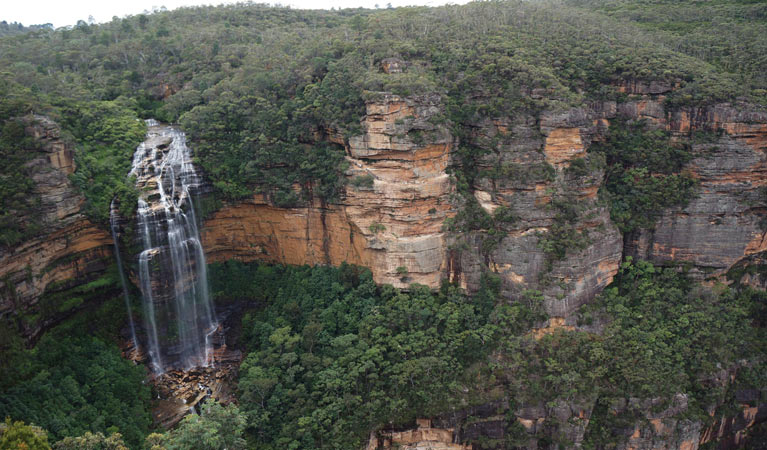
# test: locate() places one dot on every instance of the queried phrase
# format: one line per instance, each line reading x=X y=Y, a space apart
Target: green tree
x=91 y=441
x=644 y=174
x=217 y=428
x=18 y=436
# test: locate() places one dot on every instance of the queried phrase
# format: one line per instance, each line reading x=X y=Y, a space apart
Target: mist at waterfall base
x=178 y=314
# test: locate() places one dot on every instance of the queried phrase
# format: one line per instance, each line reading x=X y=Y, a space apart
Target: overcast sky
x=68 y=12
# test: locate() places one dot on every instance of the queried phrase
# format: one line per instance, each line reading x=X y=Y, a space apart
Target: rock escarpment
x=527 y=172
x=69 y=251
x=725 y=223
x=399 y=193
x=389 y=219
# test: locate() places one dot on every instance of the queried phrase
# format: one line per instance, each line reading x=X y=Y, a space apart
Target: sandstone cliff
x=69 y=251
x=400 y=192
x=390 y=218
x=724 y=223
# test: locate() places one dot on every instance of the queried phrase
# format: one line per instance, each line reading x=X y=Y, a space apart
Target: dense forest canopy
x=726 y=33
x=253 y=84
x=9 y=29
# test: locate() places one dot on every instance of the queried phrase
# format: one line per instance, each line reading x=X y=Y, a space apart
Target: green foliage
x=107 y=134
x=363 y=181
x=643 y=174
x=729 y=34
x=664 y=335
x=259 y=89
x=17 y=435
x=333 y=356
x=669 y=335
x=91 y=441
x=218 y=428
x=17 y=196
x=376 y=228
x=473 y=217
x=563 y=235
x=73 y=385
x=588 y=165
x=563 y=366
x=10 y=29
x=666 y=332
x=55 y=300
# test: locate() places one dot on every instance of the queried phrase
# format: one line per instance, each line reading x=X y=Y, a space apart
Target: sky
x=67 y=12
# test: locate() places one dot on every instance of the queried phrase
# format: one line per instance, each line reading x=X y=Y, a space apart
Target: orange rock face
x=424 y=437
x=563 y=145
x=72 y=250
x=392 y=214
x=390 y=217
x=254 y=230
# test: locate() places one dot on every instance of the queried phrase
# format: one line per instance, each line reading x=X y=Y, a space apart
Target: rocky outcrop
x=666 y=429
x=398 y=196
x=496 y=424
x=423 y=437
x=70 y=250
x=725 y=222
x=389 y=219
x=625 y=423
x=527 y=172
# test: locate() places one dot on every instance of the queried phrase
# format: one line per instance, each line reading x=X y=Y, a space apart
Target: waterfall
x=114 y=223
x=178 y=313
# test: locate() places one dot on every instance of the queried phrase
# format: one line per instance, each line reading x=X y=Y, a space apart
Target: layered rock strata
x=527 y=172
x=69 y=251
x=399 y=194
x=389 y=219
x=725 y=223
x=423 y=437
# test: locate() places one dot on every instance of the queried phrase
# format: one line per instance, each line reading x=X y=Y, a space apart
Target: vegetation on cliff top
x=103 y=133
x=260 y=90
x=254 y=85
x=729 y=34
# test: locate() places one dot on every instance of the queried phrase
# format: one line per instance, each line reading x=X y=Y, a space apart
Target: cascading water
x=114 y=222
x=178 y=314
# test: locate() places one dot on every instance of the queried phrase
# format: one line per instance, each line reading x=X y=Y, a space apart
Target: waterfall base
x=181 y=392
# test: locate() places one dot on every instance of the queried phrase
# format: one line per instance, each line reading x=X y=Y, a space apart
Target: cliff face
x=390 y=218
x=725 y=222
x=399 y=194
x=533 y=158
x=70 y=251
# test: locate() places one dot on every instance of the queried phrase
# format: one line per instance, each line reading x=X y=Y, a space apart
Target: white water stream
x=179 y=319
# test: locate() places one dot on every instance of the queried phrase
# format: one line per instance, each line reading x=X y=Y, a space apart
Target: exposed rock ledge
x=390 y=222
x=390 y=217
x=70 y=251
